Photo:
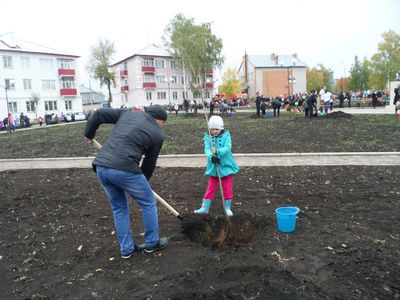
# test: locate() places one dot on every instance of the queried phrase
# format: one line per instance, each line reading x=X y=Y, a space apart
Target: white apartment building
x=151 y=76
x=36 y=80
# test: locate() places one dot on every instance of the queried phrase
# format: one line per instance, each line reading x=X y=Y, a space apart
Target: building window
x=148 y=95
x=161 y=95
x=46 y=64
x=12 y=107
x=175 y=95
x=183 y=80
x=68 y=105
x=148 y=62
x=124 y=81
x=65 y=63
x=147 y=77
x=50 y=105
x=10 y=84
x=173 y=64
x=7 y=62
x=67 y=84
x=160 y=64
x=161 y=79
x=48 y=84
x=25 y=62
x=123 y=66
x=184 y=96
x=174 y=79
x=27 y=84
x=30 y=106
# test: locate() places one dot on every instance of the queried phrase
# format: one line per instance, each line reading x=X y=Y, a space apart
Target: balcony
x=124 y=88
x=66 y=72
x=149 y=84
x=148 y=69
x=123 y=73
x=68 y=92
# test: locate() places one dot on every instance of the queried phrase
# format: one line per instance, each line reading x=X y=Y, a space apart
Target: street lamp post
x=169 y=90
x=8 y=110
x=91 y=95
x=293 y=78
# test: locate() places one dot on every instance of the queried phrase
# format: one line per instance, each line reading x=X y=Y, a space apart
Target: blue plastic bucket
x=286 y=218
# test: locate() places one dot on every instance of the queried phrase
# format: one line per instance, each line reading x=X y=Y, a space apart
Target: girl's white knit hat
x=216 y=122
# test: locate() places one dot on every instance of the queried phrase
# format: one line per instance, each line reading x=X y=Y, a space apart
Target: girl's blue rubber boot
x=205 y=207
x=228 y=204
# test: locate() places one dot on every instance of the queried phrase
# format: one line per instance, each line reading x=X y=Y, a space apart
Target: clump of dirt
x=339 y=114
x=215 y=232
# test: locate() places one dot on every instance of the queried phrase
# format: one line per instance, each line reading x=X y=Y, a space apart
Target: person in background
x=327 y=100
x=10 y=123
x=258 y=104
x=396 y=98
x=276 y=106
x=341 y=100
x=348 y=96
x=312 y=103
x=306 y=107
x=218 y=150
x=117 y=164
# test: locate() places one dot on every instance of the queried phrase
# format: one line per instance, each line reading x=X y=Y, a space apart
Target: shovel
x=224 y=234
x=97 y=145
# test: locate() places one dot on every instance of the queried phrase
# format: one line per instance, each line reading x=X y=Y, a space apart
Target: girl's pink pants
x=227 y=187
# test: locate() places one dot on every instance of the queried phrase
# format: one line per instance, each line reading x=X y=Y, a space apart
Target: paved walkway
x=199 y=161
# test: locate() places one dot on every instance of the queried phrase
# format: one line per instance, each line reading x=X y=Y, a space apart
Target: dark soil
x=292 y=132
x=57 y=237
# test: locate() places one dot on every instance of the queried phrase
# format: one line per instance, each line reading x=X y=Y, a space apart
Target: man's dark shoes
x=138 y=249
x=162 y=243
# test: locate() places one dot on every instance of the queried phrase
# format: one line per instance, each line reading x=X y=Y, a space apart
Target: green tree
x=100 y=58
x=194 y=47
x=315 y=79
x=320 y=77
x=230 y=83
x=359 y=74
x=386 y=62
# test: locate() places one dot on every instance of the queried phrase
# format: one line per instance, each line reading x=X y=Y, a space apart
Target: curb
x=243 y=159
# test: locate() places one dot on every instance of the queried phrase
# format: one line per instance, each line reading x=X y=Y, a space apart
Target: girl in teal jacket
x=218 y=151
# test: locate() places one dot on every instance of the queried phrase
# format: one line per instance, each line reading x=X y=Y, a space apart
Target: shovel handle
x=167 y=206
x=97 y=145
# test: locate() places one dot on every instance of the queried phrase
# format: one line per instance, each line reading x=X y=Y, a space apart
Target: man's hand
x=89 y=141
x=215 y=160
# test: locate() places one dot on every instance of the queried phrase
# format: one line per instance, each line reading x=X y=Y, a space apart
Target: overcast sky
x=328 y=32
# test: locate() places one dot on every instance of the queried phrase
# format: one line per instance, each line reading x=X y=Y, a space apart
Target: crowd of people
x=10 y=123
x=321 y=103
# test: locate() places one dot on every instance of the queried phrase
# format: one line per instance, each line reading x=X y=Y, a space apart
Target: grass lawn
x=289 y=133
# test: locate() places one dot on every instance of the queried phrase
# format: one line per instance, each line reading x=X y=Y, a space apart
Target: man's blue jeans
x=115 y=184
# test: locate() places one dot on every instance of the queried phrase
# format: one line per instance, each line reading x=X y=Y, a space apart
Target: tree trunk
x=109 y=93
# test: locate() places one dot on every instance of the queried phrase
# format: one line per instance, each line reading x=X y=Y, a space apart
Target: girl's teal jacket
x=223 y=144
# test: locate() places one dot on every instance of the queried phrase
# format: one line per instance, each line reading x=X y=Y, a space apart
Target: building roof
x=8 y=42
x=275 y=61
x=88 y=95
x=149 y=50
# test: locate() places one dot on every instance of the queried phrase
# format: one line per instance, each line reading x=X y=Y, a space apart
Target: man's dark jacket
x=135 y=134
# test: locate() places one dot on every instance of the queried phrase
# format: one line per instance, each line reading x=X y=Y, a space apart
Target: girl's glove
x=215 y=160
